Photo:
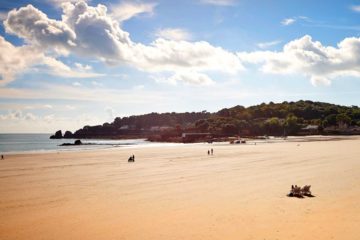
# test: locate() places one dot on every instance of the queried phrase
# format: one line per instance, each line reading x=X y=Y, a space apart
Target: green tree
x=291 y=124
x=343 y=120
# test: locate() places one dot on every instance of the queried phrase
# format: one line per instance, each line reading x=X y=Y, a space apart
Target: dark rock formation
x=57 y=135
x=76 y=143
x=68 y=134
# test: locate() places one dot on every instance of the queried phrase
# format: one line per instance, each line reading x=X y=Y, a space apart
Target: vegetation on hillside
x=278 y=119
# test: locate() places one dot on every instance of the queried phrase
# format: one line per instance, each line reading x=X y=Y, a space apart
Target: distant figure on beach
x=131 y=158
x=212 y=152
x=208 y=152
x=2 y=157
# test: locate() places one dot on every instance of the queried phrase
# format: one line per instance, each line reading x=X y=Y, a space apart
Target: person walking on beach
x=2 y=157
x=131 y=158
x=212 y=152
x=208 y=152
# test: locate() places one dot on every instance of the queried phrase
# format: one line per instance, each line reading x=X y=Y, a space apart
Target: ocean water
x=17 y=143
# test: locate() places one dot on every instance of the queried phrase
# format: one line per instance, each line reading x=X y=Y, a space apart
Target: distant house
x=310 y=129
x=195 y=137
x=160 y=128
x=128 y=127
x=184 y=135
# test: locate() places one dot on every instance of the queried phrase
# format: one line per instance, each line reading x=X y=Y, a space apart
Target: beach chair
x=295 y=192
x=306 y=190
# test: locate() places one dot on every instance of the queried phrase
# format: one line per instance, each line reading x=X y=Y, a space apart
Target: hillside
x=278 y=119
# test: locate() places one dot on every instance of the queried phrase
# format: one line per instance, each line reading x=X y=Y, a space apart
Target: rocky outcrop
x=76 y=143
x=68 y=134
x=57 y=135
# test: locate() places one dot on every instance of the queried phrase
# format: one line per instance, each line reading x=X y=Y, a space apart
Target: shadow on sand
x=301 y=195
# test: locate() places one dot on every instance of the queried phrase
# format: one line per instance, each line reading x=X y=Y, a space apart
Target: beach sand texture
x=180 y=192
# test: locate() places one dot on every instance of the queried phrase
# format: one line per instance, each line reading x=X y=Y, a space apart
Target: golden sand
x=180 y=192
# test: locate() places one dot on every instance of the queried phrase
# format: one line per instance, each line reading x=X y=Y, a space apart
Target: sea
x=41 y=142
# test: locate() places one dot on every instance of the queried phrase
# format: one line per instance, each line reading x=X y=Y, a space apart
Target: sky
x=69 y=63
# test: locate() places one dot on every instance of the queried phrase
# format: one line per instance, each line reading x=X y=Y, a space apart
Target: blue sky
x=66 y=64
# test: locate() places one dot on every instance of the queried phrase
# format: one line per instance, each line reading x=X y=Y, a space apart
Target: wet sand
x=179 y=192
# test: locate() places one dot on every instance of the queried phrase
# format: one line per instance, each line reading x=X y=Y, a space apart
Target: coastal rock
x=77 y=142
x=68 y=134
x=57 y=135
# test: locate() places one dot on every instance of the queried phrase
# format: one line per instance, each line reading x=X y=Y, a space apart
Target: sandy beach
x=179 y=192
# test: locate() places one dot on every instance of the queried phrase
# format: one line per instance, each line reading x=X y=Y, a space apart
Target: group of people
x=211 y=151
x=297 y=191
x=131 y=158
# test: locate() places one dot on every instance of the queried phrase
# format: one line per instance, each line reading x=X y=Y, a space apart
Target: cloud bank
x=176 y=34
x=127 y=10
x=91 y=32
x=310 y=58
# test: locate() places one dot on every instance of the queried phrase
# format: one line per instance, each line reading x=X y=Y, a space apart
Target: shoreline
x=250 y=141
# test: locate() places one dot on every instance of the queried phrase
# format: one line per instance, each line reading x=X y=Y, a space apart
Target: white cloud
x=96 y=84
x=31 y=117
x=355 y=8
x=76 y=84
x=22 y=121
x=310 y=58
x=59 y=3
x=48 y=106
x=13 y=115
x=34 y=26
x=58 y=68
x=14 y=60
x=319 y=80
x=191 y=78
x=89 y=31
x=70 y=107
x=292 y=20
x=127 y=10
x=83 y=67
x=111 y=112
x=176 y=34
x=219 y=2
x=18 y=115
x=288 y=21
x=264 y=45
x=180 y=56
x=49 y=118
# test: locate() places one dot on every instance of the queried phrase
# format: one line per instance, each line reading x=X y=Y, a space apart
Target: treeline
x=286 y=118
